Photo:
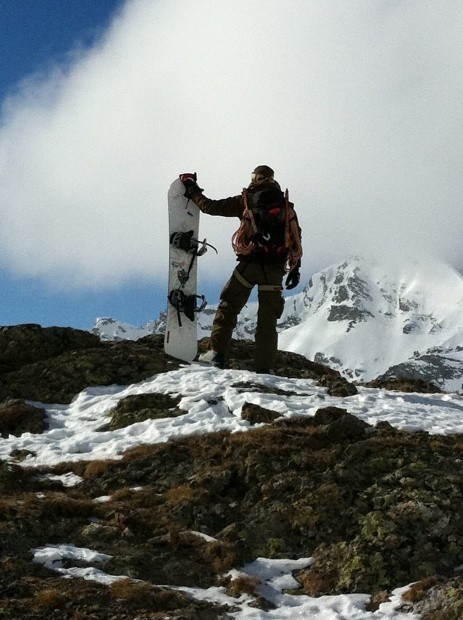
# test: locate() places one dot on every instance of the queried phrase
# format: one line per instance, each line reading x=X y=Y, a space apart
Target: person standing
x=267 y=245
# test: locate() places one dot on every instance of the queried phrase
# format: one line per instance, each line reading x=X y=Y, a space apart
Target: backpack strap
x=248 y=213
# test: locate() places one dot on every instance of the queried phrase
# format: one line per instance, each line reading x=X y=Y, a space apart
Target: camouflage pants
x=235 y=294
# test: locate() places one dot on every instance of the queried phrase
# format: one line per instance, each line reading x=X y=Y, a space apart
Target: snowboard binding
x=186 y=242
x=186 y=304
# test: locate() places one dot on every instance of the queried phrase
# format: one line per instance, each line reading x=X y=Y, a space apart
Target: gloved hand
x=293 y=278
x=189 y=181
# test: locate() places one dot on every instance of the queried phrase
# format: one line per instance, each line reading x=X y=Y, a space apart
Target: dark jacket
x=227 y=207
x=234 y=207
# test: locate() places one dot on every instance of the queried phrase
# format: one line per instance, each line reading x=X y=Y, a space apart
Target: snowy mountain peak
x=362 y=318
x=115 y=330
x=346 y=290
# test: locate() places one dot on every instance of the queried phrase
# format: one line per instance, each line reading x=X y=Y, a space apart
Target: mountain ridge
x=365 y=320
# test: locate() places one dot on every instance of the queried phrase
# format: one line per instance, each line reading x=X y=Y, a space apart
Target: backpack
x=269 y=230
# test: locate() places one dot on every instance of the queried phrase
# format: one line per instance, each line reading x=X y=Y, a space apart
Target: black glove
x=189 y=181
x=293 y=278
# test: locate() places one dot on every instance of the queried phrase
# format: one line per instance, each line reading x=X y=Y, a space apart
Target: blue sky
x=33 y=35
x=356 y=106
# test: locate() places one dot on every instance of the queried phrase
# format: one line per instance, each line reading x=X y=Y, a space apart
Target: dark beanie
x=263 y=172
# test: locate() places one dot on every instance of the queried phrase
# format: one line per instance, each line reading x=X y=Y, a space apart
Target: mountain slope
x=363 y=320
x=195 y=492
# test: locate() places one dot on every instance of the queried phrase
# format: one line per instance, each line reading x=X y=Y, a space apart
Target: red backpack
x=269 y=227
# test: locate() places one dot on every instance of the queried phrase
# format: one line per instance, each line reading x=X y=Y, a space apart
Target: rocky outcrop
x=440 y=367
x=63 y=361
x=18 y=417
x=403 y=384
x=57 y=363
x=374 y=506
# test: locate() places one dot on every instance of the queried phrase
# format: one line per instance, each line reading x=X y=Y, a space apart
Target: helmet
x=262 y=173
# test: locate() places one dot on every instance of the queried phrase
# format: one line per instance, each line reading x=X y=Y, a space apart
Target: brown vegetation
x=375 y=508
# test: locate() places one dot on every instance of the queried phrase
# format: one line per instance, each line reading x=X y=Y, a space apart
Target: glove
x=189 y=181
x=293 y=278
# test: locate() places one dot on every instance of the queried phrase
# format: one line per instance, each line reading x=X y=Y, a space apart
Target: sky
x=356 y=106
x=211 y=404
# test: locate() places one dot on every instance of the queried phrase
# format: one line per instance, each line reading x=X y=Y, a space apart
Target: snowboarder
x=267 y=244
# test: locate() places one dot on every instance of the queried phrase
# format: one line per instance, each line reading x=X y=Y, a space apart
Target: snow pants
x=235 y=294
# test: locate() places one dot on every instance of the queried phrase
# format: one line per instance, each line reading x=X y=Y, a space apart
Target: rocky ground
x=376 y=507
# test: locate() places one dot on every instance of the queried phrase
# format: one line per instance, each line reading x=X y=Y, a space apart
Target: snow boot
x=213 y=358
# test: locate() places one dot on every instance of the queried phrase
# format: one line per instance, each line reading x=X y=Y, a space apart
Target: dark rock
x=350 y=314
x=403 y=385
x=24 y=344
x=140 y=407
x=433 y=369
x=340 y=425
x=58 y=379
x=58 y=363
x=337 y=386
x=328 y=415
x=12 y=478
x=17 y=417
x=255 y=414
x=348 y=428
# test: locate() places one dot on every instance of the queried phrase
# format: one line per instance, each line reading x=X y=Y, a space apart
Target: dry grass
x=417 y=590
x=60 y=505
x=221 y=555
x=122 y=494
x=179 y=494
x=209 y=447
x=51 y=598
x=244 y=584
x=131 y=591
x=95 y=469
x=178 y=537
x=142 y=452
x=7 y=507
x=313 y=583
x=7 y=565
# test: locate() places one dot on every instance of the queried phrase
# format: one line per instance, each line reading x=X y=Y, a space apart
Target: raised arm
x=226 y=207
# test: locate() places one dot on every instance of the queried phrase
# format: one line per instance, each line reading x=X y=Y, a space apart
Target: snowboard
x=181 y=336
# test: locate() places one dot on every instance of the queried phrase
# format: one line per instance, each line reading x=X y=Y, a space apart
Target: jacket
x=234 y=207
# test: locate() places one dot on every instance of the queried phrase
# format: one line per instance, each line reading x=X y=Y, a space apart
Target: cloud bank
x=357 y=107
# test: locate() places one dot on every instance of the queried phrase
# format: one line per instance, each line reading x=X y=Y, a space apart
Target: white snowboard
x=181 y=337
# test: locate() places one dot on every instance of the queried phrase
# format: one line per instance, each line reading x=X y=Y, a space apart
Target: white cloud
x=355 y=105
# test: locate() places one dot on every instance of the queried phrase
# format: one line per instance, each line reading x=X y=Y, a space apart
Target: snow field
x=212 y=403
